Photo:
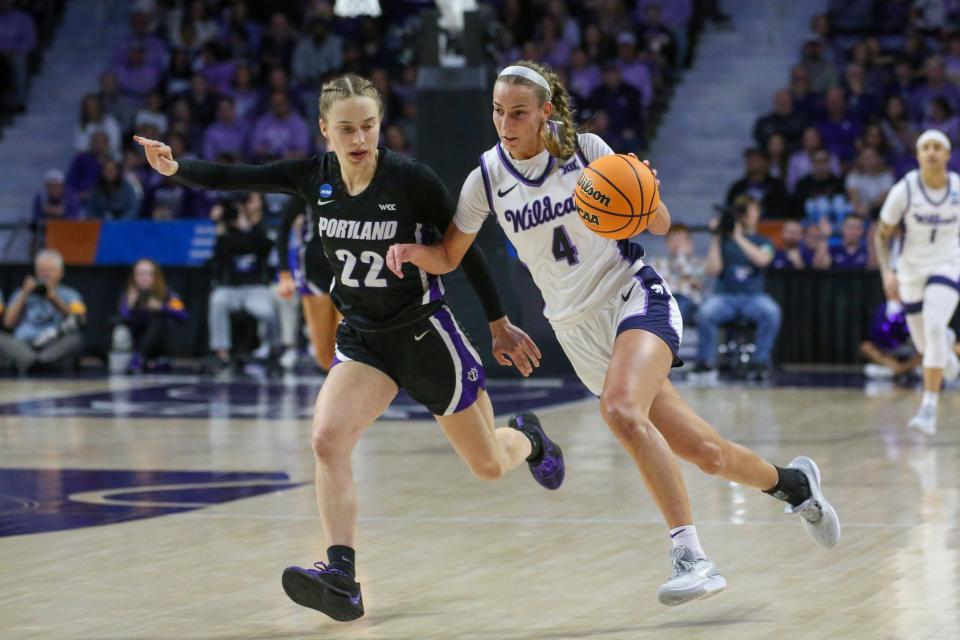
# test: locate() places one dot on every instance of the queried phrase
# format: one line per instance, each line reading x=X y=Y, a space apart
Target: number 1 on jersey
x=563 y=249
x=933 y=235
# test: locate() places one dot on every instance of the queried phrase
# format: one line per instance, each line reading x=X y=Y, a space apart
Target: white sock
x=930 y=399
x=686 y=536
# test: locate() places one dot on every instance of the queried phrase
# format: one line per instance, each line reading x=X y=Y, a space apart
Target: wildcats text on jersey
x=540 y=211
x=934 y=218
x=357 y=229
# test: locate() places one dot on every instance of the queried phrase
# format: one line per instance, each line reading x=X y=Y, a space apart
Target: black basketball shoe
x=325 y=589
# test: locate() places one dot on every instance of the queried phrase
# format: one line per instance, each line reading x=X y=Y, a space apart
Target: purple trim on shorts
x=536 y=182
x=944 y=280
x=656 y=315
x=910 y=308
x=435 y=286
x=469 y=366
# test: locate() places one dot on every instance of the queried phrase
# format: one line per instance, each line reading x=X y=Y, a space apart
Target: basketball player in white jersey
x=614 y=317
x=927 y=278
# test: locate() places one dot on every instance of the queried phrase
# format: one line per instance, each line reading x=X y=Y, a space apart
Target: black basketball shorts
x=433 y=359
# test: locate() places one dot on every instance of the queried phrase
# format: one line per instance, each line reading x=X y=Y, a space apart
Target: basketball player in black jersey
x=396 y=332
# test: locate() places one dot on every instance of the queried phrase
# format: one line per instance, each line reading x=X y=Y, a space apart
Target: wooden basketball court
x=119 y=526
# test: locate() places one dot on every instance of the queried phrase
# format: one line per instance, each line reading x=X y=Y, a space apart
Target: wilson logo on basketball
x=586 y=187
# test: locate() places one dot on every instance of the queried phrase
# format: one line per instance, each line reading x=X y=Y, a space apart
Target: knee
x=708 y=456
x=708 y=311
x=769 y=310
x=627 y=422
x=218 y=300
x=327 y=443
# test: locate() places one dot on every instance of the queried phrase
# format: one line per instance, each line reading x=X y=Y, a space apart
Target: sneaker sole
x=703 y=591
x=314 y=594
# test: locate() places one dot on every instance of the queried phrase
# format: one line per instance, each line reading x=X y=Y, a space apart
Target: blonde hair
x=560 y=139
x=347 y=86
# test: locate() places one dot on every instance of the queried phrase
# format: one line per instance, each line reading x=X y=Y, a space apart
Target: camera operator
x=738 y=257
x=241 y=277
x=44 y=316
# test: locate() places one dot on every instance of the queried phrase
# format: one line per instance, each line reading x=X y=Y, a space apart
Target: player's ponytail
x=560 y=133
x=347 y=86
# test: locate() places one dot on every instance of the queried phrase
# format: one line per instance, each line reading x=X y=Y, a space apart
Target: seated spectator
x=166 y=200
x=820 y=196
x=801 y=162
x=888 y=349
x=936 y=86
x=44 y=317
x=279 y=133
x=660 y=40
x=140 y=36
x=942 y=118
x=201 y=99
x=867 y=183
x=633 y=69
x=777 y=154
x=179 y=72
x=600 y=125
x=758 y=184
x=738 y=257
x=815 y=239
x=55 y=201
x=783 y=120
x=396 y=140
x=84 y=169
x=793 y=253
x=241 y=280
x=278 y=43
x=862 y=104
x=318 y=54
x=226 y=135
x=840 y=128
x=122 y=107
x=819 y=67
x=135 y=75
x=151 y=313
x=18 y=39
x=683 y=270
x=851 y=254
x=94 y=119
x=623 y=104
x=584 y=74
x=895 y=120
x=951 y=61
x=245 y=95
x=216 y=66
x=152 y=114
x=804 y=100
x=113 y=198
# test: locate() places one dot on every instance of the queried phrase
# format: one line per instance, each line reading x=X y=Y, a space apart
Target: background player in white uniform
x=927 y=278
x=615 y=317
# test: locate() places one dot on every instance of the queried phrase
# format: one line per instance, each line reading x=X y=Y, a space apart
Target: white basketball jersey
x=931 y=221
x=576 y=270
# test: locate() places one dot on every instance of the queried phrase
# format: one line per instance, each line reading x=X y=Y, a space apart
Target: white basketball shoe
x=819 y=519
x=693 y=577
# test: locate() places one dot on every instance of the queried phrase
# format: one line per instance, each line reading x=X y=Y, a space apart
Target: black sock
x=343 y=558
x=536 y=446
x=792 y=486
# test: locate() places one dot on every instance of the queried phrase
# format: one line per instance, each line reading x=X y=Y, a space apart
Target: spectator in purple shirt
x=839 y=129
x=584 y=74
x=18 y=38
x=936 y=86
x=135 y=76
x=319 y=53
x=793 y=253
x=633 y=69
x=623 y=104
x=245 y=95
x=55 y=201
x=151 y=317
x=279 y=133
x=942 y=117
x=851 y=253
x=155 y=48
x=216 y=66
x=84 y=170
x=226 y=135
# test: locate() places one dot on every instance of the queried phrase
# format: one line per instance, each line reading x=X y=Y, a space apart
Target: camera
x=730 y=215
x=40 y=289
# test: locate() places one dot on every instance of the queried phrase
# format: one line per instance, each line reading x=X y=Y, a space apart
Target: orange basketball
x=616 y=196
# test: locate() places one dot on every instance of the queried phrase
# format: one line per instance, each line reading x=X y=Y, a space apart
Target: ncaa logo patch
x=326 y=190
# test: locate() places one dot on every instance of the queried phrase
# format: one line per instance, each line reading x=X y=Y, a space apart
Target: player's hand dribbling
x=510 y=340
x=159 y=155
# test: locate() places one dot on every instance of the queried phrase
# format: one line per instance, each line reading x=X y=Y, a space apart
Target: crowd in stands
x=238 y=80
x=26 y=29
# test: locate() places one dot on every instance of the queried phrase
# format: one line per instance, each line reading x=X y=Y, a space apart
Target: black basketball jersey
x=404 y=203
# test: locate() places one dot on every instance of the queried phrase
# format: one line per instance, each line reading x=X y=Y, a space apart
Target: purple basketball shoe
x=549 y=470
x=326 y=589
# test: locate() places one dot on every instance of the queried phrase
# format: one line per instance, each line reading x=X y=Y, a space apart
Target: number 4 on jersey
x=563 y=249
